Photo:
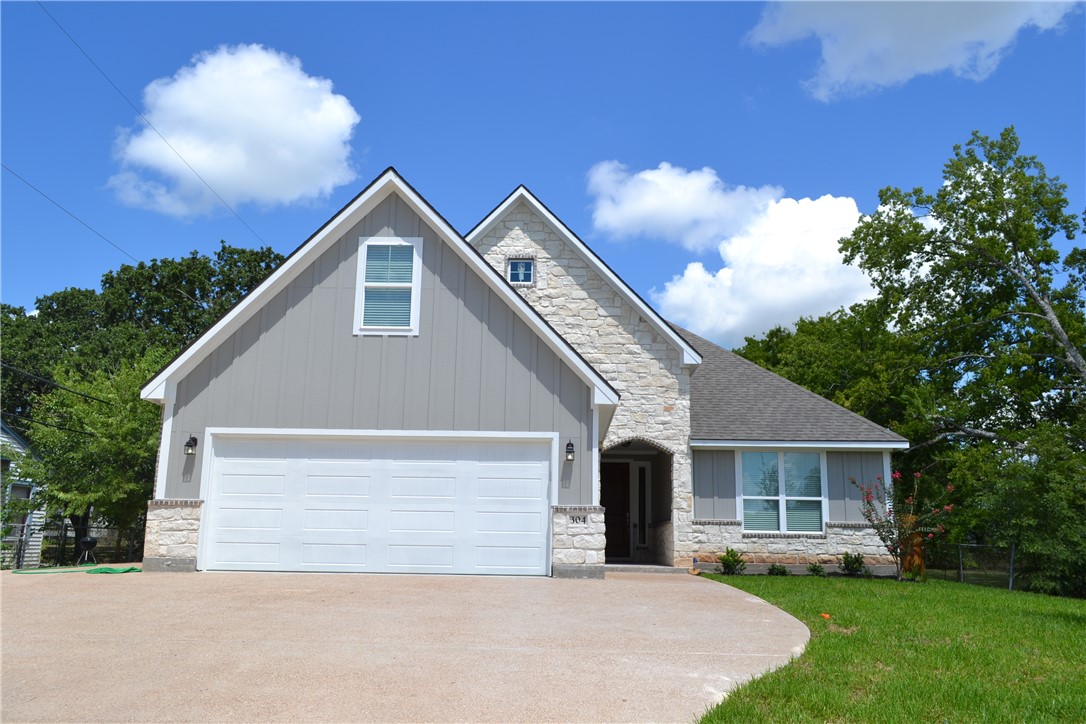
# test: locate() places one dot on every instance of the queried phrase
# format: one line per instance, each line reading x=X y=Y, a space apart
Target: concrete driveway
x=318 y=647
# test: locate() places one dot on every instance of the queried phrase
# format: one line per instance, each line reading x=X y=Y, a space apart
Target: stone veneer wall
x=578 y=541
x=172 y=534
x=711 y=537
x=641 y=364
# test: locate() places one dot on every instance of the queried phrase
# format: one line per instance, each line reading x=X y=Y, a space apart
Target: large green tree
x=970 y=273
x=973 y=349
x=161 y=304
x=72 y=372
x=95 y=445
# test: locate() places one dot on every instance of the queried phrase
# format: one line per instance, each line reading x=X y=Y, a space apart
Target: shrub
x=777 y=570
x=852 y=564
x=904 y=526
x=731 y=562
x=816 y=569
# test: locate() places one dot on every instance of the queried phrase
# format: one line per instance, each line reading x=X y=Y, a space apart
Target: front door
x=615 y=499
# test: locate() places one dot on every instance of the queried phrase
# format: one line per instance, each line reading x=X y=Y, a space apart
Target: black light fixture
x=571 y=453
x=190 y=445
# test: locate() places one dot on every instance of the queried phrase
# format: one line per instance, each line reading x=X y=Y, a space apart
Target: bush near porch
x=937 y=651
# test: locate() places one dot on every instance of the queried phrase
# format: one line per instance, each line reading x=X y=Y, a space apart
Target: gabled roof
x=389 y=182
x=690 y=355
x=13 y=438
x=733 y=400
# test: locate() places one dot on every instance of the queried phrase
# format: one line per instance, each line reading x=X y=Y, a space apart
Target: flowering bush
x=903 y=528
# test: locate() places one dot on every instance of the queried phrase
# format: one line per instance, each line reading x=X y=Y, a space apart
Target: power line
x=46 y=424
x=48 y=381
x=151 y=125
x=104 y=238
x=50 y=199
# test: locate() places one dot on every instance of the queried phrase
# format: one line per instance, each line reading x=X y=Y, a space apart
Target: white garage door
x=409 y=506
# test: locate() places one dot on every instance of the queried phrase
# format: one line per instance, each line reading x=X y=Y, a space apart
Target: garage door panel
x=421 y=555
x=498 y=521
x=251 y=450
x=421 y=521
x=356 y=486
x=248 y=484
x=334 y=554
x=520 y=557
x=247 y=553
x=250 y=518
x=420 y=486
x=407 y=505
x=319 y=519
x=510 y=487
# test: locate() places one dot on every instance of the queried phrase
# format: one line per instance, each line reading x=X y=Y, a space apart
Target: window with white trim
x=389 y=284
x=782 y=491
x=521 y=271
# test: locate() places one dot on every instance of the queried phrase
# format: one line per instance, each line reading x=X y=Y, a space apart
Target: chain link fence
x=982 y=565
x=54 y=543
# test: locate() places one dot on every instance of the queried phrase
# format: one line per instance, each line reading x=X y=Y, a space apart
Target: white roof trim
x=690 y=355
x=815 y=444
x=388 y=182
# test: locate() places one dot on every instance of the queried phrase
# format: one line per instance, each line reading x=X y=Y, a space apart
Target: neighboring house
x=398 y=397
x=21 y=543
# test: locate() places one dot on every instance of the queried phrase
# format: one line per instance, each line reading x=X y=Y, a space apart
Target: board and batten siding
x=714 y=484
x=474 y=366
x=715 y=492
x=842 y=468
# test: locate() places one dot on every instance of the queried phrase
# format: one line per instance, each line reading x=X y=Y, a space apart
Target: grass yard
x=937 y=651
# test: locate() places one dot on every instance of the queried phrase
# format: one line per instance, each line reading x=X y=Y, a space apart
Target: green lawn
x=937 y=651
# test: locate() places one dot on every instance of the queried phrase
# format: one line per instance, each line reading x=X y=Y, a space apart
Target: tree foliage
x=972 y=349
x=72 y=373
x=98 y=450
x=161 y=304
x=969 y=273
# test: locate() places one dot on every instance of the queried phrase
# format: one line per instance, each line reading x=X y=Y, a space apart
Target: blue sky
x=711 y=153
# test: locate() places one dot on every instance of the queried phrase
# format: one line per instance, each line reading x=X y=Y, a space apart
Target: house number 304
x=575 y=519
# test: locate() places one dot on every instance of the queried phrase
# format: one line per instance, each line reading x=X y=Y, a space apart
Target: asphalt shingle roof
x=734 y=399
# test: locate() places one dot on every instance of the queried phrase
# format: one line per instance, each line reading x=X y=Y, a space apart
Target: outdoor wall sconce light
x=190 y=445
x=571 y=453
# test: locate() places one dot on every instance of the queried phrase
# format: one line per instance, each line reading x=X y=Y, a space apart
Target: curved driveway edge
x=356 y=647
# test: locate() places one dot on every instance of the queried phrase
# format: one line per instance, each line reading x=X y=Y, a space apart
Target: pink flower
x=916 y=475
x=950 y=488
x=930 y=536
x=896 y=475
x=948 y=508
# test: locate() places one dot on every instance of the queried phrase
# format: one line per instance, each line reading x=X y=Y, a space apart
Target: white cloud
x=779 y=256
x=872 y=45
x=249 y=121
x=692 y=208
x=783 y=266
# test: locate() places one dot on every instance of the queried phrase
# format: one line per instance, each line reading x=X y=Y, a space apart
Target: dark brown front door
x=615 y=498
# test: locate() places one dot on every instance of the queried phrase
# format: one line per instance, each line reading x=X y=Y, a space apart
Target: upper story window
x=782 y=491
x=522 y=271
x=389 y=285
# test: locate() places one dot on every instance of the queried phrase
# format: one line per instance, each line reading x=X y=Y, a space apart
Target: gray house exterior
x=397 y=397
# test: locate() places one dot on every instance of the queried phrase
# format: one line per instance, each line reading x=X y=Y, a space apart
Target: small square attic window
x=521 y=271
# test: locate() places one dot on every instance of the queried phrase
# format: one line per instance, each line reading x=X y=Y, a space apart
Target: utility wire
x=151 y=125
x=48 y=381
x=46 y=424
x=94 y=231
x=69 y=213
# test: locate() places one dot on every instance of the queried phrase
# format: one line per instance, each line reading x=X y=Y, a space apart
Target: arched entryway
x=635 y=492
